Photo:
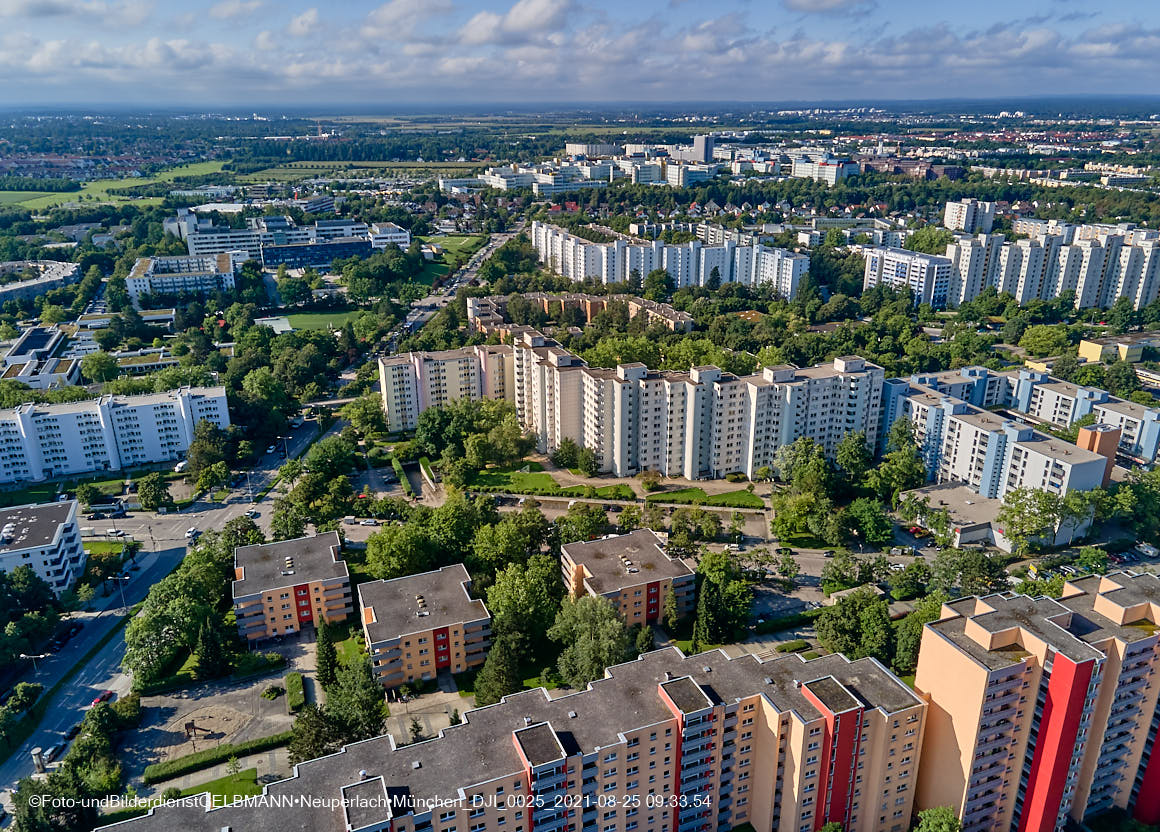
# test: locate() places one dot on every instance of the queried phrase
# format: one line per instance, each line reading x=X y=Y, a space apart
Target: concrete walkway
x=271 y=765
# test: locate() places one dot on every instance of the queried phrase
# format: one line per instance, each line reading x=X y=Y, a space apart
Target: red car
x=103 y=696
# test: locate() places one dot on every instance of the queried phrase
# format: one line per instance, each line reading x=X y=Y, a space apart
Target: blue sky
x=375 y=55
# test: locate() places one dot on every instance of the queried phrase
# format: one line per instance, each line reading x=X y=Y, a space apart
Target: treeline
x=34 y=183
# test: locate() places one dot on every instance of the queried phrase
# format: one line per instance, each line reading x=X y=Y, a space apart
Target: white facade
x=689 y=264
x=929 y=276
x=823 y=169
x=43 y=441
x=412 y=382
x=969 y=215
x=45 y=538
x=974 y=261
x=181 y=275
x=385 y=234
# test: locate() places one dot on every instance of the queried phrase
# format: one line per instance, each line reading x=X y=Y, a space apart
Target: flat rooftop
x=418 y=602
x=263 y=566
x=965 y=506
x=33 y=525
x=481 y=749
x=604 y=560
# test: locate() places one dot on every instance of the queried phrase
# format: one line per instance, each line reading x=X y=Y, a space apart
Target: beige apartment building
x=418 y=625
x=666 y=743
x=1043 y=712
x=633 y=572
x=284 y=587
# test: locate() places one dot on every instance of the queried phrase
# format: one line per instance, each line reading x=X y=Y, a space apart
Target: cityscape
x=566 y=416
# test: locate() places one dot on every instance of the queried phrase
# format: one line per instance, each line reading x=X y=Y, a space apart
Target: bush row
x=199 y=760
x=295 y=692
x=772 y=625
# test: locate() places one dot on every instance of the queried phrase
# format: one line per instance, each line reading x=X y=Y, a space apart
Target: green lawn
x=242 y=784
x=515 y=478
x=432 y=269
x=13 y=197
x=320 y=320
x=98 y=190
x=697 y=496
x=462 y=244
x=103 y=547
x=349 y=643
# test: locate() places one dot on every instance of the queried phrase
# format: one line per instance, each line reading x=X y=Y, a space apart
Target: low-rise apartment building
x=44 y=537
x=289 y=585
x=43 y=441
x=666 y=743
x=633 y=571
x=183 y=275
x=40 y=276
x=419 y=625
x=1043 y=713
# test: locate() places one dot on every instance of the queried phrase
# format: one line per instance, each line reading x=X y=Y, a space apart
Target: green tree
x=211 y=654
x=366 y=415
x=1045 y=339
x=658 y=285
x=870 y=522
x=629 y=518
x=587 y=462
x=500 y=674
x=87 y=493
x=567 y=454
x=901 y=468
x=853 y=458
x=355 y=701
x=787 y=566
x=931 y=239
x=99 y=367
x=326 y=657
x=1028 y=515
x=213 y=476
x=910 y=582
x=524 y=601
x=288 y=522
x=724 y=598
x=330 y=457
x=584 y=521
x=857 y=625
x=314 y=734
x=399 y=550
x=153 y=491
x=594 y=638
x=938 y=819
x=1092 y=559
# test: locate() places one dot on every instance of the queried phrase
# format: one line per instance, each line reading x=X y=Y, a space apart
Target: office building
x=319 y=255
x=703 y=148
x=633 y=572
x=43 y=441
x=35 y=277
x=823 y=169
x=684 y=174
x=969 y=215
x=1042 y=713
x=44 y=537
x=419 y=625
x=592 y=150
x=629 y=260
x=702 y=743
x=385 y=234
x=412 y=382
x=289 y=585
x=170 y=276
x=928 y=276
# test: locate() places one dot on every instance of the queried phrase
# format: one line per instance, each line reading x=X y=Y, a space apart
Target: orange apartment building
x=631 y=570
x=284 y=587
x=666 y=743
x=418 y=625
x=1043 y=712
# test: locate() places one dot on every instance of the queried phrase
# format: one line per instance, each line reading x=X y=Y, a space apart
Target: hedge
x=795 y=646
x=199 y=760
x=295 y=692
x=772 y=625
x=404 y=483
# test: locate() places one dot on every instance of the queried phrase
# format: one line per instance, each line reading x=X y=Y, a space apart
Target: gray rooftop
x=264 y=566
x=34 y=525
x=419 y=602
x=604 y=560
x=482 y=748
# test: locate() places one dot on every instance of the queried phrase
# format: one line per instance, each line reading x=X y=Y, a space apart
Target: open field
x=455 y=247
x=320 y=320
x=98 y=190
x=697 y=496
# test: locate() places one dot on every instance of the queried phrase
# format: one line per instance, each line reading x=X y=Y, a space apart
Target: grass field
x=697 y=496
x=456 y=247
x=320 y=320
x=293 y=171
x=98 y=190
x=242 y=784
x=514 y=479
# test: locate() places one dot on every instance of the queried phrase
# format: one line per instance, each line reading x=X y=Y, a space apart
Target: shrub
x=295 y=692
x=272 y=692
x=797 y=619
x=735 y=476
x=199 y=760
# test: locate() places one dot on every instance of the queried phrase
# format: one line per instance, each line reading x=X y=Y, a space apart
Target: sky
x=374 y=55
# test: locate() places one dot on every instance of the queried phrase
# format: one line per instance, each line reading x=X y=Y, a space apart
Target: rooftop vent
x=668 y=675
x=415 y=764
x=768 y=680
x=362 y=774
x=797 y=683
x=571 y=714
x=707 y=669
x=287 y=571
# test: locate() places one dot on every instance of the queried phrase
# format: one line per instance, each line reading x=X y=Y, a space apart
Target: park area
x=457 y=249
x=321 y=320
x=530 y=478
x=98 y=190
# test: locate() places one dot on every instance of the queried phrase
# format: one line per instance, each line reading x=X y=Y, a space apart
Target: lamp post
x=121 y=580
x=34 y=657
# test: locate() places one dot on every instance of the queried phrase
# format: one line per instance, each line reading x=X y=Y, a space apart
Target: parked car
x=271 y=449
x=96 y=515
x=53 y=752
x=368 y=522
x=191 y=533
x=829 y=553
x=897 y=567
x=252 y=513
x=73 y=731
x=103 y=696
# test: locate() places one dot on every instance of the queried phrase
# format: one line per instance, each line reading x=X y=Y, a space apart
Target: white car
x=368 y=522
x=191 y=533
x=271 y=449
x=897 y=567
x=252 y=513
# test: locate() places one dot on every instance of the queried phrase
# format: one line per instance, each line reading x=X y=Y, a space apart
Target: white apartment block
x=385 y=234
x=684 y=175
x=45 y=538
x=969 y=215
x=974 y=261
x=689 y=264
x=181 y=275
x=929 y=276
x=1024 y=266
x=412 y=382
x=823 y=169
x=43 y=441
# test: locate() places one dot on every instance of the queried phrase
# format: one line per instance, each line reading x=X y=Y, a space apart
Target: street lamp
x=34 y=657
x=121 y=580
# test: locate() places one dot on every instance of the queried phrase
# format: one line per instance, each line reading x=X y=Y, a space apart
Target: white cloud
x=304 y=23
x=127 y=12
x=229 y=9
x=524 y=20
x=819 y=6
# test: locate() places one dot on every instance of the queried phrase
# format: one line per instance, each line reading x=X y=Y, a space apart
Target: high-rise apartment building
x=1043 y=712
x=412 y=382
x=633 y=571
x=42 y=441
x=974 y=262
x=928 y=276
x=969 y=215
x=286 y=586
x=46 y=538
x=666 y=743
x=626 y=260
x=419 y=625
